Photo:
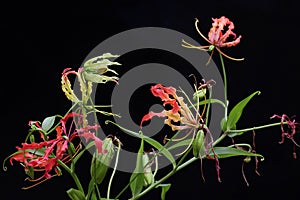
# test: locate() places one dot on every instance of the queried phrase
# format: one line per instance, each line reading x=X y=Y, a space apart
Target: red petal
x=150 y=115
x=98 y=144
x=21 y=157
x=163 y=92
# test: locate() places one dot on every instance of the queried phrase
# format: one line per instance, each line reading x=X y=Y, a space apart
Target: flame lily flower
x=45 y=155
x=179 y=112
x=217 y=38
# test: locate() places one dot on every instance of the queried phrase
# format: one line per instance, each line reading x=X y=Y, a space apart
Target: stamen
x=26 y=188
x=210 y=57
x=190 y=46
x=196 y=25
x=190 y=144
x=236 y=59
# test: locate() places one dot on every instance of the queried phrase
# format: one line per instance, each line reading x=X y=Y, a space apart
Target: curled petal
x=91 y=136
x=98 y=144
x=88 y=128
x=21 y=157
x=233 y=43
x=150 y=115
x=174 y=104
x=216 y=35
x=163 y=92
x=65 y=119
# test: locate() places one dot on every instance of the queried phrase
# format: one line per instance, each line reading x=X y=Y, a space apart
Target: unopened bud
x=148 y=175
x=198 y=143
x=101 y=161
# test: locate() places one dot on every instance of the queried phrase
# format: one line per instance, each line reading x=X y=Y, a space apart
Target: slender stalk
x=73 y=175
x=179 y=167
x=256 y=127
x=154 y=185
x=225 y=85
x=114 y=171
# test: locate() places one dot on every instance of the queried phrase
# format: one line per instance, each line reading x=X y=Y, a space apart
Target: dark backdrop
x=40 y=40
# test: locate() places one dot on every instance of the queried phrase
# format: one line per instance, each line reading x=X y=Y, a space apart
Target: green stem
x=188 y=162
x=256 y=127
x=225 y=85
x=73 y=175
x=179 y=167
x=208 y=106
x=114 y=171
x=155 y=184
x=53 y=128
x=219 y=139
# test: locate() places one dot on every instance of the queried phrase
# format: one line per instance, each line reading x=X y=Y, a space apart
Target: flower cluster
x=58 y=142
x=49 y=153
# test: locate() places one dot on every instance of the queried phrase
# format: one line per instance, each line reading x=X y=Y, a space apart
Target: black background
x=40 y=40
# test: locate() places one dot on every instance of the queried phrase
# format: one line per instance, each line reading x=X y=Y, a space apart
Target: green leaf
x=75 y=194
x=94 y=196
x=48 y=123
x=199 y=94
x=137 y=177
x=31 y=138
x=235 y=134
x=164 y=190
x=237 y=110
x=150 y=141
x=181 y=143
x=108 y=199
x=207 y=101
x=78 y=156
x=223 y=124
x=30 y=172
x=225 y=152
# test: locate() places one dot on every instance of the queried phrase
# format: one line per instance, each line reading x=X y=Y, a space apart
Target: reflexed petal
x=150 y=115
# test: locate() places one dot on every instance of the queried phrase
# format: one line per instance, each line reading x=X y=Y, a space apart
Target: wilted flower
x=292 y=127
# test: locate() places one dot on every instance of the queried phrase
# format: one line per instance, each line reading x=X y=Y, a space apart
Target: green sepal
x=225 y=152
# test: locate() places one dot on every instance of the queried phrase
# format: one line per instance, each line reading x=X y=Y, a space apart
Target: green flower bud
x=101 y=162
x=71 y=149
x=148 y=175
x=198 y=143
x=75 y=194
x=247 y=159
